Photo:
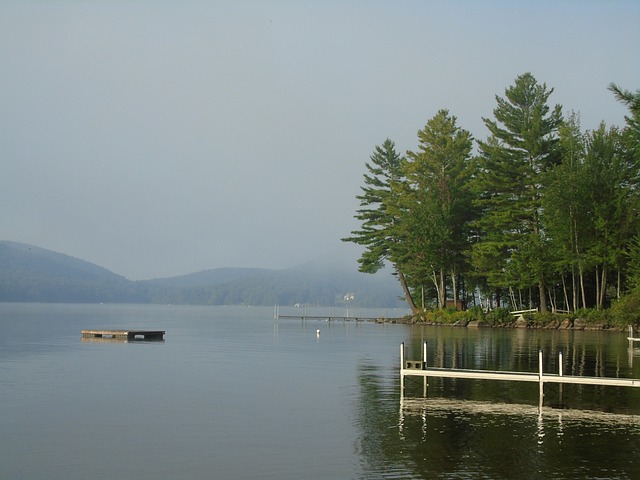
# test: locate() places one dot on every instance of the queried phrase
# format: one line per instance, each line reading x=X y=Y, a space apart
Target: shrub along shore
x=503 y=318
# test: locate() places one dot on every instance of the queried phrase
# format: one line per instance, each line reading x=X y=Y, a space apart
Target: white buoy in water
x=317 y=332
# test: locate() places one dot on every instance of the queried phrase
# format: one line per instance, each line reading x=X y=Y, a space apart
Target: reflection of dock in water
x=443 y=406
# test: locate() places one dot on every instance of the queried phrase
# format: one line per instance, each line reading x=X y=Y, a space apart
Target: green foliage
x=415 y=210
x=523 y=146
x=633 y=253
x=499 y=316
x=441 y=316
x=593 y=316
x=376 y=212
x=626 y=310
x=435 y=205
x=632 y=133
x=623 y=313
x=544 y=319
x=544 y=211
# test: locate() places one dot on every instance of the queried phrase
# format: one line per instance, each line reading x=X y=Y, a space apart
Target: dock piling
x=540 y=375
x=424 y=354
x=424 y=366
x=560 y=392
x=560 y=363
x=401 y=368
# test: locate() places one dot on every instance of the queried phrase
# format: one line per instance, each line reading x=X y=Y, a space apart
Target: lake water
x=232 y=394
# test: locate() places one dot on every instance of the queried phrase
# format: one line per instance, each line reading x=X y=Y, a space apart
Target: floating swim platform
x=125 y=334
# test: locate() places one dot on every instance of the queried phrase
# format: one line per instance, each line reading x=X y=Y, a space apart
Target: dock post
x=560 y=374
x=560 y=363
x=424 y=355
x=424 y=367
x=540 y=374
x=402 y=369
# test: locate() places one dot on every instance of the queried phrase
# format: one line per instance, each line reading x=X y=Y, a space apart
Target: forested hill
x=33 y=274
x=215 y=276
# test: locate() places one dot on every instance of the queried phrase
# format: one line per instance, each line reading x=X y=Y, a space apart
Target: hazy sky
x=158 y=138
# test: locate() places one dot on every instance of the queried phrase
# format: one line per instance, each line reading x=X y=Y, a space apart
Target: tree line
x=539 y=215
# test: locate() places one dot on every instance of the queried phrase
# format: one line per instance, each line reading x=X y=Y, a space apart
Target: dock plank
x=519 y=376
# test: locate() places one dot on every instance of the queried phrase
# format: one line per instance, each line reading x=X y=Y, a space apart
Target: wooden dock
x=149 y=335
x=419 y=368
x=331 y=318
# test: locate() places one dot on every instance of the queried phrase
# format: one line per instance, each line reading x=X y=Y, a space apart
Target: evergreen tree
x=631 y=142
x=522 y=146
x=377 y=214
x=566 y=218
x=437 y=206
x=632 y=131
x=614 y=204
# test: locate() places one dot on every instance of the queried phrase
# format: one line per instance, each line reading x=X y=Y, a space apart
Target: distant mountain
x=309 y=284
x=207 y=278
x=33 y=274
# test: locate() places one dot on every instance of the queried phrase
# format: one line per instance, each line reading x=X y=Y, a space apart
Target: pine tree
x=614 y=205
x=522 y=146
x=566 y=218
x=379 y=222
x=437 y=205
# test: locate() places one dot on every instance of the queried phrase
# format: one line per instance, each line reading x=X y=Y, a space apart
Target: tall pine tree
x=567 y=219
x=437 y=206
x=379 y=222
x=521 y=147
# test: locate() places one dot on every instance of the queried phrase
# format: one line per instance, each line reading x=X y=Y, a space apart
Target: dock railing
x=520 y=313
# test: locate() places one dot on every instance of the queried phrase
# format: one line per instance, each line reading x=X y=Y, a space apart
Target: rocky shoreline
x=520 y=323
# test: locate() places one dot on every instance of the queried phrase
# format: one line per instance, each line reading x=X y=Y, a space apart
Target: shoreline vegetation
x=593 y=320
x=540 y=213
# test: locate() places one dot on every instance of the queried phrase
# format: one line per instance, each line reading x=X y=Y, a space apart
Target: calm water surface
x=232 y=394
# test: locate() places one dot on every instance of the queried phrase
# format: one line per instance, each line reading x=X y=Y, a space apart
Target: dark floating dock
x=149 y=335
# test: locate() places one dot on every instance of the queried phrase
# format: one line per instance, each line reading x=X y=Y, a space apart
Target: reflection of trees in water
x=442 y=441
x=380 y=446
x=510 y=440
x=424 y=444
